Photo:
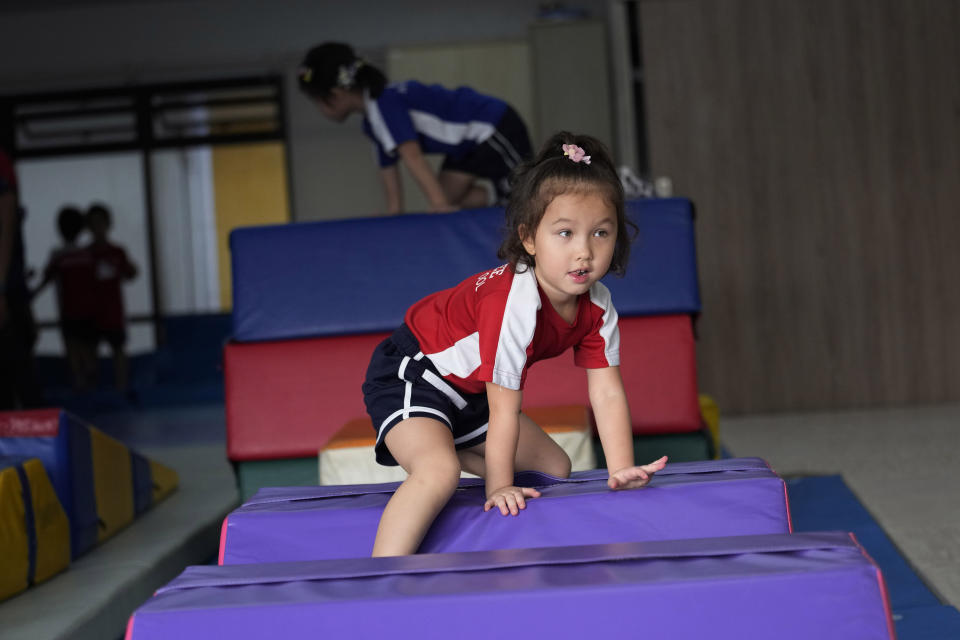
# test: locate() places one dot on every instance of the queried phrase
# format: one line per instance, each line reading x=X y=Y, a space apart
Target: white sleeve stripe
x=516 y=329
x=610 y=329
x=379 y=127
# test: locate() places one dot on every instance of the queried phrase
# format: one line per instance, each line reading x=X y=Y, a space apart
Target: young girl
x=112 y=267
x=444 y=391
x=70 y=268
x=481 y=136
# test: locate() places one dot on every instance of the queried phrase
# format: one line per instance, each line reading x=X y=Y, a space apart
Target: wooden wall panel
x=820 y=141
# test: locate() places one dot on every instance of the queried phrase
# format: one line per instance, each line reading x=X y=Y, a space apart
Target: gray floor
x=901 y=463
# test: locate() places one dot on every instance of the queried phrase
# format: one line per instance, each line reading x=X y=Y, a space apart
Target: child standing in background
x=70 y=268
x=445 y=390
x=481 y=136
x=111 y=268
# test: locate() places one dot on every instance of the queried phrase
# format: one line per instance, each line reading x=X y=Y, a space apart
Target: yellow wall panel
x=250 y=188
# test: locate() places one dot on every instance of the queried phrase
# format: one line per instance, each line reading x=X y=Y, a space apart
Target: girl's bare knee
x=440 y=472
x=562 y=466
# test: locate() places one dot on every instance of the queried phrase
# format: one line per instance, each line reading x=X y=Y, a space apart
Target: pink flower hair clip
x=575 y=153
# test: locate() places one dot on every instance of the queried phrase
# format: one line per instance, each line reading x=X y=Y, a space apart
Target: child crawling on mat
x=444 y=391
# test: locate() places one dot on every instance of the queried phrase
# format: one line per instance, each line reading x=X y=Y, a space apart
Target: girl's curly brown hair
x=537 y=182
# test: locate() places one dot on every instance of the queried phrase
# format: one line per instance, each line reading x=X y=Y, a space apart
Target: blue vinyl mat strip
x=825 y=503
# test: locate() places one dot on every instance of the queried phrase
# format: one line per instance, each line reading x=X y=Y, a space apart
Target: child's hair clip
x=305 y=73
x=575 y=153
x=347 y=74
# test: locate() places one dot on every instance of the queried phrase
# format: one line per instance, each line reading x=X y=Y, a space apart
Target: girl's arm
x=128 y=269
x=609 y=402
x=49 y=273
x=417 y=164
x=503 y=433
x=393 y=189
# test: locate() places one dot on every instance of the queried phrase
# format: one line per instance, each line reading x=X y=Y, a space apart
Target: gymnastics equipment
x=740 y=496
x=34 y=530
x=312 y=300
x=101 y=483
x=348 y=457
x=789 y=587
x=346 y=277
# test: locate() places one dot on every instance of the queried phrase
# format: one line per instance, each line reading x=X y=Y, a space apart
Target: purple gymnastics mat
x=801 y=586
x=712 y=498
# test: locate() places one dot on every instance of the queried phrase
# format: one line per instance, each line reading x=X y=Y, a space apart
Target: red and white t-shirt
x=111 y=267
x=494 y=325
x=72 y=269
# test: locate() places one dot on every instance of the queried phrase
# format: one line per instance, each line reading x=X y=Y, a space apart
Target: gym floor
x=901 y=463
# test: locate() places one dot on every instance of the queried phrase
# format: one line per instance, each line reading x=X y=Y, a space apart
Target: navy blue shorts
x=402 y=383
x=496 y=157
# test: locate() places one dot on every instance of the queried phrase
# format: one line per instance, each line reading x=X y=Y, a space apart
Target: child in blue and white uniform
x=481 y=136
x=444 y=391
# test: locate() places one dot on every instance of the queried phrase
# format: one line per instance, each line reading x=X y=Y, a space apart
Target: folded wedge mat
x=740 y=496
x=34 y=530
x=789 y=587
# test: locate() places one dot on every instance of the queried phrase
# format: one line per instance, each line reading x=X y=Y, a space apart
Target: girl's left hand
x=510 y=499
x=635 y=477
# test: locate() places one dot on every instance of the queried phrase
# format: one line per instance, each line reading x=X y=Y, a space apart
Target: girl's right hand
x=510 y=499
x=635 y=477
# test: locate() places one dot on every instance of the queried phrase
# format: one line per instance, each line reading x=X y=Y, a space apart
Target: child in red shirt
x=444 y=391
x=111 y=267
x=71 y=268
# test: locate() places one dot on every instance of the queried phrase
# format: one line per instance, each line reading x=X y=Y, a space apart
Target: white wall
x=103 y=43
x=114 y=179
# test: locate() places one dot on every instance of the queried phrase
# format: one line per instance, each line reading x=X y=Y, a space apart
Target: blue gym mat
x=823 y=503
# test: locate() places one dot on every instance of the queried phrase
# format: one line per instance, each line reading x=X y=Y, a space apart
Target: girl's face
x=98 y=226
x=336 y=106
x=572 y=247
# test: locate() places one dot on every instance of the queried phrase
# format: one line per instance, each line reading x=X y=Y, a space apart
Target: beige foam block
x=348 y=457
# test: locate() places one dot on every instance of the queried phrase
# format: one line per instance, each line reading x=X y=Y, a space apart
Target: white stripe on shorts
x=399 y=412
x=473 y=434
x=438 y=383
x=509 y=147
x=407 y=390
x=504 y=154
x=446 y=389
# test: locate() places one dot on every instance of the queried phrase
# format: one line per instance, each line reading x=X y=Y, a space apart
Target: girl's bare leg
x=462 y=191
x=424 y=448
x=536 y=451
